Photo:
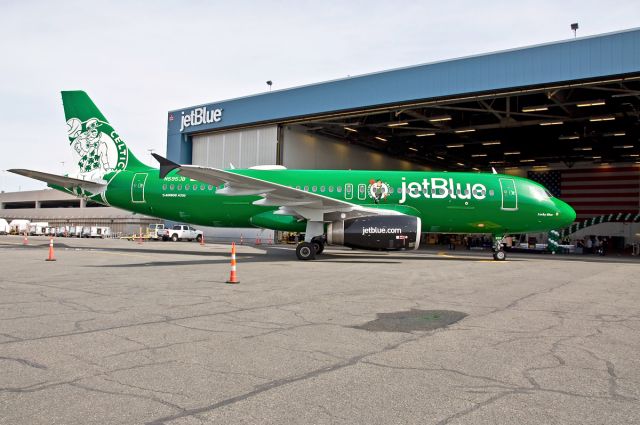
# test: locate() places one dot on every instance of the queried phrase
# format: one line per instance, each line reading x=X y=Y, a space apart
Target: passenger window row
x=192 y=187
x=322 y=189
x=329 y=189
x=362 y=190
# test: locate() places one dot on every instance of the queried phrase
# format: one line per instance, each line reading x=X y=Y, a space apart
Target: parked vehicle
x=37 y=228
x=4 y=227
x=100 y=232
x=86 y=232
x=156 y=230
x=181 y=231
x=19 y=226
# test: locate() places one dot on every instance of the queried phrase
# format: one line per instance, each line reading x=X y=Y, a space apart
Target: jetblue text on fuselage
x=440 y=188
x=200 y=116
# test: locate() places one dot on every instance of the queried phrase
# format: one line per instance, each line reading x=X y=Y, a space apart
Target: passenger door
x=137 y=187
x=509 y=194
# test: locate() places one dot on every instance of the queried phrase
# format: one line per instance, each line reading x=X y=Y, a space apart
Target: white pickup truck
x=179 y=232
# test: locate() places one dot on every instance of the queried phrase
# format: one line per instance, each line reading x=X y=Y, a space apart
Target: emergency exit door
x=509 y=194
x=137 y=187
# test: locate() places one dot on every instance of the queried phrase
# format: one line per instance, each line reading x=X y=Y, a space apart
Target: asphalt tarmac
x=114 y=332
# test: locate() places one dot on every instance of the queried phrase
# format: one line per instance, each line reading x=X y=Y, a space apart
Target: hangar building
x=564 y=113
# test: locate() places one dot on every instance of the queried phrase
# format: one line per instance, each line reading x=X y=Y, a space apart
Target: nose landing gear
x=499 y=255
x=498 y=248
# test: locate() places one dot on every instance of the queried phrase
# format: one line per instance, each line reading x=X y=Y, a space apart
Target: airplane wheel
x=499 y=255
x=306 y=251
x=318 y=243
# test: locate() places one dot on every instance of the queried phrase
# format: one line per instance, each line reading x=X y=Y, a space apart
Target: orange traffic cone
x=50 y=250
x=233 y=278
x=25 y=241
x=202 y=240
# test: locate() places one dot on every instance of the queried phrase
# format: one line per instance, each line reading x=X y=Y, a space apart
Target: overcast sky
x=140 y=59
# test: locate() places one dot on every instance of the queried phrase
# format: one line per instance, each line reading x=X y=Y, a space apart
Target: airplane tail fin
x=97 y=147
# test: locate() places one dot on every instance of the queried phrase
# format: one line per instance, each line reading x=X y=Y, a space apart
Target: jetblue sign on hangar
x=199 y=116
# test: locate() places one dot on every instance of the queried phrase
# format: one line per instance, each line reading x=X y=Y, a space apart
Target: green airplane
x=375 y=209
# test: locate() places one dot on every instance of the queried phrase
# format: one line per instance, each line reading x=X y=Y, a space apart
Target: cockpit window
x=540 y=193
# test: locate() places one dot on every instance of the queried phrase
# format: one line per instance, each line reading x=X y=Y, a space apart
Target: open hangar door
x=590 y=123
x=581 y=139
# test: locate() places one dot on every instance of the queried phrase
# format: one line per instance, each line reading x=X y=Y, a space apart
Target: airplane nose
x=566 y=214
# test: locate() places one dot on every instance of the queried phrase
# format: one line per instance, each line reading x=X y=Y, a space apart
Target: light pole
x=574 y=28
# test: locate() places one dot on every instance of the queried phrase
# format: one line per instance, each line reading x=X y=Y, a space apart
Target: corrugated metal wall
x=242 y=148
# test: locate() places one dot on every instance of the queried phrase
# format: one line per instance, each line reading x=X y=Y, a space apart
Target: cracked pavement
x=120 y=333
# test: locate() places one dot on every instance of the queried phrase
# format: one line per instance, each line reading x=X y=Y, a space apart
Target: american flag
x=594 y=191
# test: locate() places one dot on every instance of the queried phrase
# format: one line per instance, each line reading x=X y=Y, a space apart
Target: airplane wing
x=291 y=201
x=63 y=181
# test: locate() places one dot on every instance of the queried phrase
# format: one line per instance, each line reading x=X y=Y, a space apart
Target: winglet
x=166 y=166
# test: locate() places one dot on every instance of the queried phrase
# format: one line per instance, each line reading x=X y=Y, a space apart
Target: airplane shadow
x=278 y=255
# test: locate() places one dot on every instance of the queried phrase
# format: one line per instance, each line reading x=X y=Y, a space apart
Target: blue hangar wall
x=574 y=59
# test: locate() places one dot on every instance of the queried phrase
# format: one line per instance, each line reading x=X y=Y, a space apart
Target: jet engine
x=379 y=232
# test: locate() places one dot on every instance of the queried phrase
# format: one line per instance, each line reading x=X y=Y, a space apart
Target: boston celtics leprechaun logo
x=98 y=148
x=378 y=190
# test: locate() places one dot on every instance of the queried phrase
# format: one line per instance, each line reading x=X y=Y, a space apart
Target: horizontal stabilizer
x=63 y=181
x=166 y=166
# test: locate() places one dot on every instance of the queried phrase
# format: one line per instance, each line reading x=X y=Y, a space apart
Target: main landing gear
x=498 y=249
x=306 y=251
x=313 y=240
x=318 y=243
x=309 y=250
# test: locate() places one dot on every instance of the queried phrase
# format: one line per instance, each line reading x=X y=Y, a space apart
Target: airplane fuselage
x=377 y=210
x=445 y=202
